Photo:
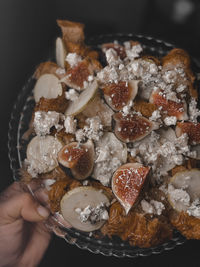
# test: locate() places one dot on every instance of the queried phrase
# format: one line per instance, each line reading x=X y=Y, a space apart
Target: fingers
x=24 y=206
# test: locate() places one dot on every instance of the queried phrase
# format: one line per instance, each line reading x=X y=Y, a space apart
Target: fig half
x=131 y=128
x=79 y=158
x=191 y=129
x=169 y=107
x=84 y=207
x=127 y=183
x=118 y=95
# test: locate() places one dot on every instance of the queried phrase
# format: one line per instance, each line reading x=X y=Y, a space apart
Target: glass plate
x=19 y=122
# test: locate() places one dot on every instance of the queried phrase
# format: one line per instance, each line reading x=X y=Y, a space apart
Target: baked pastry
x=117 y=139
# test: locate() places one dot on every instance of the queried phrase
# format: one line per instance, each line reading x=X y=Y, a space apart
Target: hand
x=23 y=235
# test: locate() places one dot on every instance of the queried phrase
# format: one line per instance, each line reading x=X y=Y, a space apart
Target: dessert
x=116 y=139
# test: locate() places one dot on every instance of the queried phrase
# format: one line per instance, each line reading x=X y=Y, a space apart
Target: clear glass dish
x=19 y=123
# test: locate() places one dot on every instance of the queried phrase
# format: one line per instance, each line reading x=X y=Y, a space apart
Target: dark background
x=27 y=30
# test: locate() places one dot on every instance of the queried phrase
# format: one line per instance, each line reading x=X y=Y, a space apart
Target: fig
x=84 y=98
x=79 y=158
x=191 y=129
x=77 y=75
x=47 y=86
x=127 y=183
x=169 y=107
x=84 y=208
x=118 y=95
x=131 y=128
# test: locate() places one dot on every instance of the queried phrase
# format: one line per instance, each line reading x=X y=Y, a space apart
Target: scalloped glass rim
x=19 y=121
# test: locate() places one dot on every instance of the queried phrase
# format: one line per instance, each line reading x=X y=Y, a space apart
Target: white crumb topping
x=152 y=207
x=73 y=59
x=44 y=121
x=70 y=124
x=170 y=120
x=92 y=130
x=194 y=209
x=93 y=214
x=178 y=195
x=194 y=112
x=60 y=71
x=71 y=94
x=134 y=51
x=155 y=115
x=112 y=57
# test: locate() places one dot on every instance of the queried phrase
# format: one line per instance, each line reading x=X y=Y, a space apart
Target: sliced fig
x=110 y=154
x=117 y=47
x=47 y=86
x=131 y=128
x=79 y=158
x=191 y=129
x=169 y=107
x=118 y=95
x=184 y=188
x=84 y=208
x=42 y=154
x=84 y=98
x=60 y=52
x=127 y=183
x=97 y=107
x=77 y=75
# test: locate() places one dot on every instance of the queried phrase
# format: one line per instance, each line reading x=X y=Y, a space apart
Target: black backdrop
x=28 y=29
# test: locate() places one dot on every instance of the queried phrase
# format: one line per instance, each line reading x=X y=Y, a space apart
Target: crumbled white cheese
x=194 y=112
x=134 y=51
x=158 y=206
x=194 y=209
x=44 y=121
x=93 y=214
x=170 y=120
x=155 y=115
x=126 y=109
x=60 y=71
x=154 y=207
x=70 y=124
x=73 y=59
x=71 y=94
x=112 y=57
x=178 y=195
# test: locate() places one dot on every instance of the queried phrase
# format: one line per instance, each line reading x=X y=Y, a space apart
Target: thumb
x=22 y=206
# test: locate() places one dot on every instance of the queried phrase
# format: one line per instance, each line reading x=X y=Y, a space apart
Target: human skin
x=23 y=235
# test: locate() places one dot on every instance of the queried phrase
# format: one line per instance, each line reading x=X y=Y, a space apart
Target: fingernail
x=43 y=212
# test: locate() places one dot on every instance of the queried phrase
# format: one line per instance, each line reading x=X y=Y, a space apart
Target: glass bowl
x=19 y=123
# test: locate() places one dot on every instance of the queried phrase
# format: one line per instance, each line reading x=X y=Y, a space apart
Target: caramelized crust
x=47 y=68
x=145 y=108
x=189 y=226
x=72 y=31
x=136 y=228
x=58 y=104
x=180 y=58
